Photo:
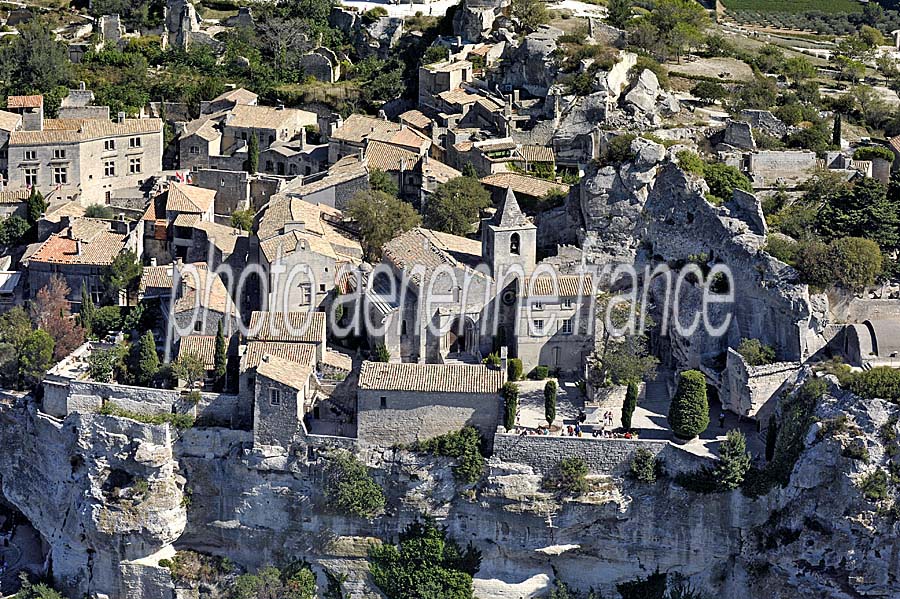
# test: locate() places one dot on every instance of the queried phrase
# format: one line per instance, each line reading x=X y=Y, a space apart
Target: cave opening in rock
x=22 y=549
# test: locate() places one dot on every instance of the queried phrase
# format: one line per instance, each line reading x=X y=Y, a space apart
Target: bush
x=619 y=150
x=856 y=262
x=510 y=394
x=550 y=390
x=874 y=486
x=723 y=179
x=689 y=412
x=644 y=465
x=179 y=421
x=755 y=353
x=734 y=461
x=492 y=359
x=881 y=382
x=570 y=476
x=106 y=320
x=99 y=211
x=514 y=369
x=465 y=446
x=381 y=353
x=349 y=488
x=629 y=405
x=539 y=373
x=873 y=152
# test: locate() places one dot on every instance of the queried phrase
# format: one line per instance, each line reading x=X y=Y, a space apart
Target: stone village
x=224 y=301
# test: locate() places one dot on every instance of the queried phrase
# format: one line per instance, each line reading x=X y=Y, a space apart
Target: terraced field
x=795 y=6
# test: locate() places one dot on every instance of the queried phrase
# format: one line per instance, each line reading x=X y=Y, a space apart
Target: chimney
x=152 y=261
x=120 y=118
x=78 y=247
x=294 y=225
x=382 y=115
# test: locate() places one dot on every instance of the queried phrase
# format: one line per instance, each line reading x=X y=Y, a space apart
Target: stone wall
x=751 y=390
x=602 y=456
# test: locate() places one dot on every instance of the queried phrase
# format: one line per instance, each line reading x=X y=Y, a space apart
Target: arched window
x=514 y=244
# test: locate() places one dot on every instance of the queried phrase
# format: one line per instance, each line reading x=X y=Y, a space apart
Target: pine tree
x=221 y=358
x=771 y=437
x=631 y=397
x=147 y=360
x=252 y=153
x=734 y=461
x=836 y=131
x=618 y=13
x=689 y=411
x=550 y=390
x=87 y=309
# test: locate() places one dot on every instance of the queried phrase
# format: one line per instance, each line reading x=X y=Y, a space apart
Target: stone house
x=236 y=190
x=440 y=77
x=89 y=158
x=304 y=248
x=80 y=253
x=228 y=100
x=349 y=138
x=9 y=122
x=530 y=191
x=185 y=207
x=292 y=158
x=284 y=392
x=14 y=202
x=405 y=403
x=333 y=188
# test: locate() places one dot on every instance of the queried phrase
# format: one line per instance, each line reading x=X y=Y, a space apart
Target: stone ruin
x=322 y=64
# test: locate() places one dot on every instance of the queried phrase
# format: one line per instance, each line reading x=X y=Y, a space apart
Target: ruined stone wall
x=602 y=455
x=752 y=390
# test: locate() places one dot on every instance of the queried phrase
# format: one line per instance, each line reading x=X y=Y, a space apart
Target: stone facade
x=753 y=390
x=278 y=411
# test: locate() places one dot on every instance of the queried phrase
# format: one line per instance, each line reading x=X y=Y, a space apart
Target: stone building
x=86 y=158
x=333 y=188
x=321 y=64
x=405 y=403
x=442 y=77
x=283 y=394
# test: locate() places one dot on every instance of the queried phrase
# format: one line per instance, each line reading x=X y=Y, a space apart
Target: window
x=567 y=303
x=538 y=327
x=403 y=327
x=109 y=168
x=134 y=166
x=109 y=145
x=31 y=177
x=567 y=326
x=514 y=244
x=271 y=139
x=30 y=154
x=244 y=135
x=269 y=165
x=383 y=403
x=274 y=396
x=198 y=326
x=322 y=287
x=195 y=149
x=60 y=175
x=59 y=154
x=537 y=306
x=134 y=142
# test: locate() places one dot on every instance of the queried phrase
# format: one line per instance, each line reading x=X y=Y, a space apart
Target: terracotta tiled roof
x=181 y=197
x=294 y=327
x=430 y=249
x=387 y=157
x=895 y=143
x=238 y=96
x=535 y=153
x=431 y=378
x=9 y=121
x=208 y=287
x=286 y=372
x=156 y=277
x=406 y=137
x=15 y=196
x=224 y=237
x=201 y=346
x=186 y=219
x=98 y=245
x=437 y=169
x=269 y=117
x=531 y=186
x=299 y=353
x=416 y=118
x=448 y=65
x=560 y=286
x=24 y=101
x=78 y=130
x=319 y=231
x=458 y=96
x=358 y=127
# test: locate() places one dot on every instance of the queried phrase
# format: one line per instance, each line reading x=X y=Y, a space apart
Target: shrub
x=465 y=446
x=179 y=421
x=689 y=412
x=492 y=359
x=690 y=162
x=349 y=488
x=619 y=150
x=550 y=390
x=723 y=179
x=755 y=353
x=570 y=476
x=539 y=373
x=644 y=465
x=856 y=262
x=103 y=211
x=872 y=152
x=381 y=353
x=514 y=369
x=874 y=485
x=106 y=320
x=629 y=405
x=881 y=382
x=510 y=394
x=734 y=461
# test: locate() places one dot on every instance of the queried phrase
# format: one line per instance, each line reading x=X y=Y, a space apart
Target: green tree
x=463 y=445
x=99 y=211
x=380 y=217
x=550 y=389
x=349 y=488
x=13 y=230
x=221 y=358
x=381 y=353
x=381 y=181
x=689 y=411
x=146 y=363
x=35 y=591
x=35 y=357
x=103 y=364
x=35 y=61
x=188 y=368
x=798 y=68
x=867 y=209
x=618 y=13
x=709 y=91
x=469 y=171
x=570 y=476
x=734 y=461
x=836 y=130
x=122 y=275
x=88 y=310
x=35 y=206
x=242 y=219
x=106 y=320
x=643 y=465
x=455 y=206
x=723 y=179
x=510 y=394
x=856 y=262
x=755 y=353
x=425 y=564
x=629 y=405
x=252 y=164
x=529 y=13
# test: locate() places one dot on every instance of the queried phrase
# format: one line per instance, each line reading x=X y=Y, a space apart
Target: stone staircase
x=656 y=392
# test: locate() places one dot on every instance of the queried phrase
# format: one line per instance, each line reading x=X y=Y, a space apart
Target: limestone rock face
x=644 y=93
x=529 y=66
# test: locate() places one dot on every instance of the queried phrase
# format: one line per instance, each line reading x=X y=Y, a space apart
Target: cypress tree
x=836 y=131
x=252 y=153
x=771 y=438
x=631 y=397
x=87 y=309
x=147 y=360
x=550 y=401
x=689 y=411
x=510 y=395
x=221 y=359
